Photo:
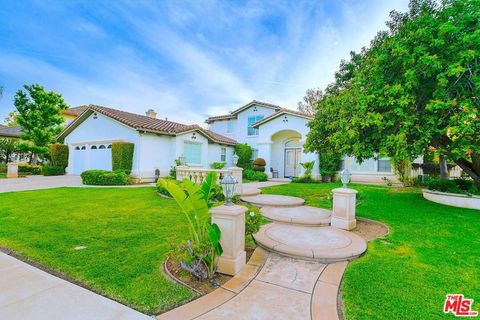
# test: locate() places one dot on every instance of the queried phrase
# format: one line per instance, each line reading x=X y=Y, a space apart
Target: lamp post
x=345 y=176
x=228 y=183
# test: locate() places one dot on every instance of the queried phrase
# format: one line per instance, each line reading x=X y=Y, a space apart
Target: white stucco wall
x=156 y=152
x=101 y=130
x=214 y=152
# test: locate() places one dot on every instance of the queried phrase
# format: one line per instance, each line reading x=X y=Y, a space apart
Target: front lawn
x=432 y=250
x=127 y=233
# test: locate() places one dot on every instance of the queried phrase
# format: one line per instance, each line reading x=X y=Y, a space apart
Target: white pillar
x=344 y=201
x=237 y=173
x=12 y=170
x=231 y=221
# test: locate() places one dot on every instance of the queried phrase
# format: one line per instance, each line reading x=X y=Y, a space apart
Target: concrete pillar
x=344 y=201
x=231 y=221
x=12 y=170
x=237 y=173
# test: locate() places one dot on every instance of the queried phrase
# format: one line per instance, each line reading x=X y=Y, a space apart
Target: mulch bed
x=370 y=229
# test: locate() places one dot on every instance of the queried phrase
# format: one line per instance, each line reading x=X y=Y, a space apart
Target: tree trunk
x=443 y=167
x=34 y=159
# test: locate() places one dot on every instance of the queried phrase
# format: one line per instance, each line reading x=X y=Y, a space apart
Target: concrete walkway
x=29 y=293
x=271 y=286
x=39 y=182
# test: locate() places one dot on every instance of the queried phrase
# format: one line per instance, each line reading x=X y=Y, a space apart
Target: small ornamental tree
x=122 y=156
x=59 y=155
x=39 y=115
x=244 y=153
x=415 y=88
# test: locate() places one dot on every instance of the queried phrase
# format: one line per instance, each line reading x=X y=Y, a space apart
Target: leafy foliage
x=201 y=252
x=39 y=115
x=217 y=165
x=105 y=178
x=253 y=221
x=59 y=155
x=310 y=101
x=8 y=147
x=244 y=153
x=253 y=175
x=452 y=186
x=259 y=164
x=53 y=170
x=415 y=87
x=122 y=156
x=26 y=168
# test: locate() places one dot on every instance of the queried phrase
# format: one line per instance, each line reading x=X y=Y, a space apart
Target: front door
x=292 y=162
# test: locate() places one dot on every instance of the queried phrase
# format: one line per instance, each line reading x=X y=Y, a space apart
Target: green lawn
x=431 y=250
x=127 y=232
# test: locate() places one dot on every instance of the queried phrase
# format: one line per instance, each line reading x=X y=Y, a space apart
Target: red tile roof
x=145 y=123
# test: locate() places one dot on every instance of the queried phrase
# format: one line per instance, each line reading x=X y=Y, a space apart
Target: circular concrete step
x=272 y=200
x=323 y=244
x=249 y=191
x=304 y=215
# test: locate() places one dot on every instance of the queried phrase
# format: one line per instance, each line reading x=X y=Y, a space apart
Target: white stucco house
x=276 y=134
x=157 y=142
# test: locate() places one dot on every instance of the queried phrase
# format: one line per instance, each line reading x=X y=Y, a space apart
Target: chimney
x=151 y=113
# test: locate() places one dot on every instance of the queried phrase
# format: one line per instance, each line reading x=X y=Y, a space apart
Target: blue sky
x=185 y=59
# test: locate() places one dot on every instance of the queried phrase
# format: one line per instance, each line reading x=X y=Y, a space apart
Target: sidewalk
x=29 y=293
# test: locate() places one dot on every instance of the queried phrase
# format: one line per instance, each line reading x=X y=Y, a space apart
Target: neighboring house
x=10 y=132
x=276 y=134
x=71 y=114
x=157 y=142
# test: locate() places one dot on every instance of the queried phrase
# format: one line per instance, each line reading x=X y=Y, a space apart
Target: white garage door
x=88 y=157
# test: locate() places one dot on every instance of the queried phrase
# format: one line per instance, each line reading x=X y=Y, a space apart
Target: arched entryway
x=286 y=153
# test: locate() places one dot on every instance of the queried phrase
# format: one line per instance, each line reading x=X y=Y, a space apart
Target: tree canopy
x=415 y=87
x=39 y=115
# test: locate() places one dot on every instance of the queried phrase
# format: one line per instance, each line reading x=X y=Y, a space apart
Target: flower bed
x=453 y=199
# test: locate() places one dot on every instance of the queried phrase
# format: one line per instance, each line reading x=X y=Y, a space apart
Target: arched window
x=293 y=144
x=77 y=148
x=93 y=147
x=101 y=146
x=83 y=148
x=109 y=146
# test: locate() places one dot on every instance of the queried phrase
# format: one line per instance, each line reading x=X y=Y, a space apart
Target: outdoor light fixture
x=235 y=159
x=228 y=183
x=345 y=177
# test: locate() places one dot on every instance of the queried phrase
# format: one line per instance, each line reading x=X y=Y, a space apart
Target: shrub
x=452 y=186
x=303 y=179
x=28 y=169
x=59 y=155
x=173 y=172
x=217 y=165
x=253 y=221
x=122 y=156
x=3 y=168
x=259 y=164
x=252 y=175
x=105 y=178
x=244 y=153
x=53 y=170
x=161 y=188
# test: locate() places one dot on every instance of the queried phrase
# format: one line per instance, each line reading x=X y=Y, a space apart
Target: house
x=12 y=132
x=157 y=142
x=71 y=114
x=276 y=134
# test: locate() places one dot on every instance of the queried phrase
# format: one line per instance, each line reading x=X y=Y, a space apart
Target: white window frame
x=230 y=127
x=223 y=154
x=185 y=155
x=249 y=125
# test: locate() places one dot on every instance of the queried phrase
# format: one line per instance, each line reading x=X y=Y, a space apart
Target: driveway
x=39 y=182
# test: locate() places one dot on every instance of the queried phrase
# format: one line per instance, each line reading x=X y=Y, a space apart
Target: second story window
x=230 y=127
x=251 y=131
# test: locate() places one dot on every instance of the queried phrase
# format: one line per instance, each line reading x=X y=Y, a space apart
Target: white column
x=12 y=170
x=265 y=152
x=69 y=168
x=344 y=202
x=231 y=221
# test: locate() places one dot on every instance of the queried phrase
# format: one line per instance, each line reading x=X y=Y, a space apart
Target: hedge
x=252 y=175
x=259 y=164
x=122 y=156
x=59 y=155
x=28 y=169
x=53 y=170
x=105 y=178
x=244 y=153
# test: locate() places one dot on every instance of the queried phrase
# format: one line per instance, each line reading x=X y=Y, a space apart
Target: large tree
x=415 y=87
x=310 y=101
x=39 y=115
x=8 y=147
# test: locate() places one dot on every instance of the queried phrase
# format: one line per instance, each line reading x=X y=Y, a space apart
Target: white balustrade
x=197 y=175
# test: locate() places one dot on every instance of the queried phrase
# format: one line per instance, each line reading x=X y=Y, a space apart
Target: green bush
x=160 y=186
x=25 y=168
x=303 y=179
x=253 y=175
x=3 y=168
x=122 y=156
x=217 y=165
x=59 y=155
x=259 y=165
x=53 y=170
x=451 y=186
x=105 y=178
x=244 y=153
x=253 y=221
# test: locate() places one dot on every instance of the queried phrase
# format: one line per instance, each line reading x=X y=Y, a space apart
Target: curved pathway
x=295 y=273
